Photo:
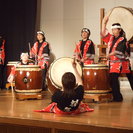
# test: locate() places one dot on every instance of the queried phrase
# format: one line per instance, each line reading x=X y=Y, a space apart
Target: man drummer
x=2 y=59
x=118 y=56
x=41 y=51
x=24 y=60
x=85 y=51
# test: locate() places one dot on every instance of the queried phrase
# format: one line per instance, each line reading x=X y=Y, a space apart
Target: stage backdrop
x=17 y=24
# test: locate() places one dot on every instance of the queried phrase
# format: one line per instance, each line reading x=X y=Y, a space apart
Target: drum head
x=124 y=16
x=96 y=66
x=59 y=67
x=28 y=68
x=11 y=63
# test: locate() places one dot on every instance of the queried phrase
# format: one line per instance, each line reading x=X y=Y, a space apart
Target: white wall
x=62 y=21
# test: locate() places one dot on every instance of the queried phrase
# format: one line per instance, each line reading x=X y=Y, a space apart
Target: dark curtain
x=17 y=25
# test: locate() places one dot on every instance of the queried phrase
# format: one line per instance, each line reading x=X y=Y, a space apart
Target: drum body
x=124 y=16
x=96 y=79
x=56 y=71
x=28 y=78
x=9 y=66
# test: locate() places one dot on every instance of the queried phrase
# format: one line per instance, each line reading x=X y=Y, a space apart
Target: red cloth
x=52 y=108
x=115 y=67
x=34 y=51
x=2 y=53
x=77 y=51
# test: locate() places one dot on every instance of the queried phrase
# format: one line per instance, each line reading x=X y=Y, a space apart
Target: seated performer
x=2 y=59
x=24 y=57
x=40 y=51
x=68 y=101
x=118 y=56
x=85 y=51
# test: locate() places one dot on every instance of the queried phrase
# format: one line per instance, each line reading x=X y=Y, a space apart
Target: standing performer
x=118 y=55
x=85 y=51
x=2 y=59
x=40 y=51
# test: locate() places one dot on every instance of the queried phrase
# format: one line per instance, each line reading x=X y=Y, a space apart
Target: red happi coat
x=78 y=52
x=34 y=51
x=116 y=64
x=2 y=53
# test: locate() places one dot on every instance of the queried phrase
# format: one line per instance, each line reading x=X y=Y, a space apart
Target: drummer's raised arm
x=79 y=79
x=104 y=29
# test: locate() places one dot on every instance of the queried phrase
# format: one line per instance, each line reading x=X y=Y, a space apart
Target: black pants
x=115 y=85
x=44 y=72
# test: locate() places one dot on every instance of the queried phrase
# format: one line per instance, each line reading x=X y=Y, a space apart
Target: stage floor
x=113 y=117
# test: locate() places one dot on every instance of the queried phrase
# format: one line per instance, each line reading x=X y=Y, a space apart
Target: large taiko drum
x=28 y=79
x=56 y=71
x=124 y=16
x=9 y=65
x=96 y=79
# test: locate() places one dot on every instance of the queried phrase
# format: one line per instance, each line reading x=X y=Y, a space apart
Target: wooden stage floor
x=18 y=116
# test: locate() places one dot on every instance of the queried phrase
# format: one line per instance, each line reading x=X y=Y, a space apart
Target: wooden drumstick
x=31 y=60
x=79 y=51
x=30 y=49
x=12 y=89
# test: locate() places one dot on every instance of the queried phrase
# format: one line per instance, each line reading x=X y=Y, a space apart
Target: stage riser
x=11 y=128
x=6 y=128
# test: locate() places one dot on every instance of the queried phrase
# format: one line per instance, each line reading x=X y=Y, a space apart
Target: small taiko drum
x=9 y=66
x=56 y=71
x=124 y=16
x=96 y=79
x=28 y=79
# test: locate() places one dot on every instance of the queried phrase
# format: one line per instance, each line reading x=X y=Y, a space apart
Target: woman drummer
x=40 y=51
x=118 y=56
x=85 y=51
x=69 y=100
x=24 y=60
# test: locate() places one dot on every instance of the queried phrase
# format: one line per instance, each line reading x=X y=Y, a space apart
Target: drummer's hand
x=10 y=78
x=39 y=57
x=74 y=63
x=107 y=57
x=82 y=60
x=106 y=19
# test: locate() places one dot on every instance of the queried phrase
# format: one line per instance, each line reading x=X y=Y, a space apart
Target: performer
x=118 y=55
x=2 y=59
x=85 y=51
x=41 y=51
x=68 y=101
x=24 y=57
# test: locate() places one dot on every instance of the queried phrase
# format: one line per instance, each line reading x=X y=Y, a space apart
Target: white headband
x=22 y=54
x=85 y=30
x=40 y=32
x=115 y=27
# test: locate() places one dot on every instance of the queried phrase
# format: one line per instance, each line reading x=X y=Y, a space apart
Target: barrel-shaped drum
x=96 y=79
x=56 y=71
x=28 y=78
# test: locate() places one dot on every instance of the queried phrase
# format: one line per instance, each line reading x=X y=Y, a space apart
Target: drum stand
x=99 y=98
x=27 y=96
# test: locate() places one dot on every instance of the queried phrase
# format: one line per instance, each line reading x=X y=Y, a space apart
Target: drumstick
x=34 y=54
x=29 y=46
x=31 y=60
x=30 y=49
x=12 y=89
x=79 y=51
